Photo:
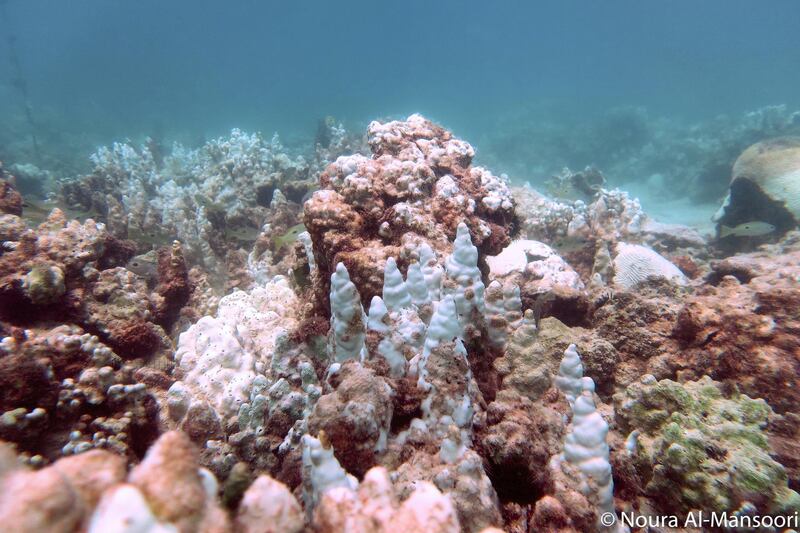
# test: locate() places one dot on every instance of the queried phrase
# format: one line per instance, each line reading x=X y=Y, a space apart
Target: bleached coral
x=463 y=281
x=124 y=510
x=321 y=472
x=585 y=447
x=570 y=374
x=376 y=506
x=390 y=345
x=395 y=292
x=191 y=195
x=348 y=321
x=221 y=356
x=538 y=261
x=634 y=264
x=612 y=216
x=503 y=312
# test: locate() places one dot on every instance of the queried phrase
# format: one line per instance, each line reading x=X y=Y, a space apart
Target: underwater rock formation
x=742 y=328
x=91 y=382
x=416 y=188
x=65 y=392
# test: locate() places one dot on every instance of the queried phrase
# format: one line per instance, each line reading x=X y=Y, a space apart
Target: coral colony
x=383 y=336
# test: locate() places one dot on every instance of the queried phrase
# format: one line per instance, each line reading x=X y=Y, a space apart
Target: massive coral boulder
x=376 y=507
x=167 y=492
x=268 y=506
x=57 y=498
x=765 y=185
x=219 y=357
x=416 y=188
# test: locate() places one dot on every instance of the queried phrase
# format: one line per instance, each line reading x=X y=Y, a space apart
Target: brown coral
x=417 y=187
x=10 y=198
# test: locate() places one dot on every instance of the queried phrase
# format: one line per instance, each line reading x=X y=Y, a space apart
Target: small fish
x=747 y=229
x=37 y=212
x=203 y=200
x=567 y=245
x=145 y=265
x=242 y=233
x=34 y=210
x=152 y=237
x=288 y=238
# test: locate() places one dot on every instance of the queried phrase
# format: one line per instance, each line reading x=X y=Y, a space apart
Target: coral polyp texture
x=430 y=350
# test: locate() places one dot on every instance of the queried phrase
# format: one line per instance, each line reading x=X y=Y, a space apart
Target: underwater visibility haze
x=431 y=266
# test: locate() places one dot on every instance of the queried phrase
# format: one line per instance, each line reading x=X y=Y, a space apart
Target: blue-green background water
x=100 y=70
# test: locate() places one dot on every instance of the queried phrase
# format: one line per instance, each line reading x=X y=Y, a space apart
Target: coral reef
x=586 y=234
x=213 y=199
x=432 y=354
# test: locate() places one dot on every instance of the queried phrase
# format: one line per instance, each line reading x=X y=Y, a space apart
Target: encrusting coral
x=699 y=448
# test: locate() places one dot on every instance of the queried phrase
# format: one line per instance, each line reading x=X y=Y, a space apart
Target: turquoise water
x=121 y=68
x=534 y=86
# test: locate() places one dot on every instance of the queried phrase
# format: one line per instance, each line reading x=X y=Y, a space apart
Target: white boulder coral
x=635 y=264
x=221 y=356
